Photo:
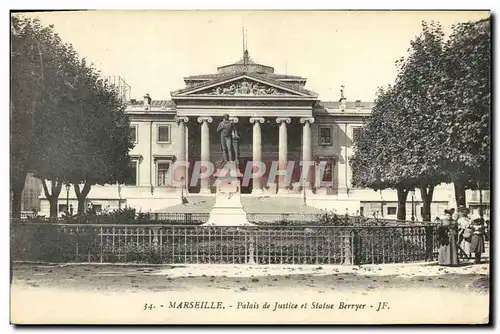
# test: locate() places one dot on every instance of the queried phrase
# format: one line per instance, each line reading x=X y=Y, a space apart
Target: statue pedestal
x=227 y=210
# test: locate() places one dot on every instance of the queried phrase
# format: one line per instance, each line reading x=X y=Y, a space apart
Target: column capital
x=205 y=119
x=257 y=119
x=283 y=119
x=183 y=119
x=234 y=119
x=307 y=119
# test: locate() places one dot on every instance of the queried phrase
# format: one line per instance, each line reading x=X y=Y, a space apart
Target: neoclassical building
x=278 y=120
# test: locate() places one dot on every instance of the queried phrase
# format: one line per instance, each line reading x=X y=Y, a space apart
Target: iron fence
x=155 y=243
x=298 y=218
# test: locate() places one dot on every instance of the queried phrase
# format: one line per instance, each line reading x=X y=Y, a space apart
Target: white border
x=192 y=4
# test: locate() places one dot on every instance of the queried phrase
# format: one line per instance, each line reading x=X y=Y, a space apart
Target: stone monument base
x=228 y=210
x=228 y=217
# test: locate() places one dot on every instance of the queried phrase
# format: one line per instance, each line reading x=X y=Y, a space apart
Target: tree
x=40 y=67
x=376 y=151
x=73 y=124
x=418 y=79
x=407 y=153
x=100 y=155
x=29 y=40
x=466 y=106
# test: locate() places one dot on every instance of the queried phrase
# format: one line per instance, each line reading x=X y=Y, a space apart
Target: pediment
x=243 y=86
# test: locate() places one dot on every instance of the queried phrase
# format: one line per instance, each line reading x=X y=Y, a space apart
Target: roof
x=263 y=77
x=154 y=103
x=246 y=60
x=349 y=104
x=325 y=104
x=214 y=76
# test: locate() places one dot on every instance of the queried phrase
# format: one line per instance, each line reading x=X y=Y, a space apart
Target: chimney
x=147 y=102
x=342 y=99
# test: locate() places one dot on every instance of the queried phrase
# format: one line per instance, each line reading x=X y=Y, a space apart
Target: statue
x=226 y=129
x=244 y=89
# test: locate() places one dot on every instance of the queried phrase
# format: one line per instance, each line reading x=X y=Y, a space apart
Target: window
x=133 y=133
x=131 y=178
x=362 y=211
x=163 y=134
x=327 y=175
x=325 y=135
x=162 y=168
x=392 y=210
x=97 y=208
x=62 y=208
x=355 y=133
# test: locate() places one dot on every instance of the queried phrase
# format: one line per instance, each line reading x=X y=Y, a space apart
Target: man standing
x=225 y=130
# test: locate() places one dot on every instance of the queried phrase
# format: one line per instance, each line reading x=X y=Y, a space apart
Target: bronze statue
x=225 y=130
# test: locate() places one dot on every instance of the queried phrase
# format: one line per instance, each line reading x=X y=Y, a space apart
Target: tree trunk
x=402 y=195
x=481 y=212
x=53 y=206
x=54 y=197
x=459 y=193
x=426 y=192
x=17 y=186
x=81 y=195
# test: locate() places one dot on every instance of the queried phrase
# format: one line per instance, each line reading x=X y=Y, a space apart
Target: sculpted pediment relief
x=244 y=87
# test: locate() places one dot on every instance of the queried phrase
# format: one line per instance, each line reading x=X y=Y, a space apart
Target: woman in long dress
x=463 y=224
x=448 y=241
x=477 y=241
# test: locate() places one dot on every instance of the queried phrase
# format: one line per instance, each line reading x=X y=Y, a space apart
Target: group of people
x=460 y=236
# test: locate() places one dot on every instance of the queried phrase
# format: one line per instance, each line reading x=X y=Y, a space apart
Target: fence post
x=429 y=242
x=251 y=248
x=347 y=248
x=155 y=257
x=101 y=241
x=356 y=247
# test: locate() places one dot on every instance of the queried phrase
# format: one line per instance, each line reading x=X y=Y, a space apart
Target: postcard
x=250 y=167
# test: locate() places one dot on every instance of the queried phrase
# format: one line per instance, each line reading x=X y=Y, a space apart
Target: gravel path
x=421 y=293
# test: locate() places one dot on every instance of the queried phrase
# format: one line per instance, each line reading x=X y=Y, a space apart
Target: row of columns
x=256 y=147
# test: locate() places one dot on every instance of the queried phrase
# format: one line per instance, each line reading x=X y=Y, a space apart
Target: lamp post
x=381 y=204
x=68 y=186
x=413 y=205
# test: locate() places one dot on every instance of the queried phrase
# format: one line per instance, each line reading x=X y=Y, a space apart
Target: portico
x=277 y=150
x=272 y=112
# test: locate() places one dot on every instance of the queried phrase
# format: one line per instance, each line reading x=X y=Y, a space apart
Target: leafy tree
x=100 y=155
x=375 y=157
x=465 y=96
x=406 y=153
x=73 y=123
x=37 y=63
x=421 y=139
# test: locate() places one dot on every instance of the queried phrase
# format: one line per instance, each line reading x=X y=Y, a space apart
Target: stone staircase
x=251 y=204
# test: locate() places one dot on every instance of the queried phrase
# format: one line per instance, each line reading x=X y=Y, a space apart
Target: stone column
x=205 y=151
x=235 y=143
x=283 y=151
x=181 y=170
x=256 y=151
x=343 y=163
x=307 y=160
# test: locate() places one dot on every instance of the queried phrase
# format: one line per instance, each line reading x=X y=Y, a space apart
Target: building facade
x=278 y=120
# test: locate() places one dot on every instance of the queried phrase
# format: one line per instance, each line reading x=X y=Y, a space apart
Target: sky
x=154 y=50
